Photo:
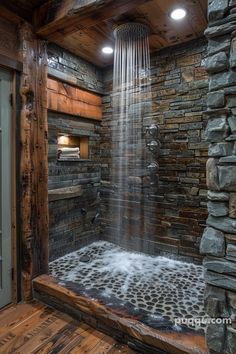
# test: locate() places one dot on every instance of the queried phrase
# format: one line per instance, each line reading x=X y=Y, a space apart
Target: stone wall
x=72 y=222
x=219 y=237
x=175 y=213
x=70 y=68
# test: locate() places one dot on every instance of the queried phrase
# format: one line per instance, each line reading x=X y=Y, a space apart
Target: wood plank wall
x=69 y=99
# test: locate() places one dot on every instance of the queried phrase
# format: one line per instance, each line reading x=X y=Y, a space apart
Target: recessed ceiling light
x=178 y=14
x=107 y=50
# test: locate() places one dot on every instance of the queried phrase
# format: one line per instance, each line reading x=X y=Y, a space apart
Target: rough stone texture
x=217 y=129
x=69 y=227
x=231 y=252
x=222 y=223
x=216 y=99
x=212 y=242
x=221 y=280
x=217 y=208
x=212 y=178
x=231 y=340
x=83 y=74
x=232 y=123
x=220 y=149
x=221 y=80
x=220 y=265
x=218 y=196
x=217 y=62
x=220 y=272
x=227 y=178
x=215 y=301
x=176 y=211
x=215 y=337
x=217 y=9
x=232 y=205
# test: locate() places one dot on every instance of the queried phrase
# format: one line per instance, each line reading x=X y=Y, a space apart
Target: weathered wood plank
x=72 y=100
x=33 y=160
x=36 y=328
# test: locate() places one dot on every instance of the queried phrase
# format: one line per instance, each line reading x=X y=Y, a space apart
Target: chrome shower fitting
x=154 y=146
x=153 y=130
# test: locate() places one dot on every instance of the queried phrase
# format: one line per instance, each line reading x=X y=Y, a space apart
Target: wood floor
x=36 y=328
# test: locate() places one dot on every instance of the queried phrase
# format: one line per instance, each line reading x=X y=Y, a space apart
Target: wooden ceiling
x=84 y=27
x=23 y=8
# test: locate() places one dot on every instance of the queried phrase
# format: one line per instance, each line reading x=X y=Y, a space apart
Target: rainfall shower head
x=131 y=30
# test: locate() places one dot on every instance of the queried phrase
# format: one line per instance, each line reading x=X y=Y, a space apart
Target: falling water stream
x=131 y=101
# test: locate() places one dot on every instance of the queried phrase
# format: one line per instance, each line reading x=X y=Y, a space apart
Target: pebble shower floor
x=161 y=286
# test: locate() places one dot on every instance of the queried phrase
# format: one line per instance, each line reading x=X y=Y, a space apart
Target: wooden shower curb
x=116 y=322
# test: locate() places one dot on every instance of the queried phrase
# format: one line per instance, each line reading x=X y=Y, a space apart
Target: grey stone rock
x=216 y=99
x=212 y=242
x=224 y=223
x=212 y=177
x=232 y=205
x=227 y=178
x=231 y=137
x=228 y=159
x=232 y=123
x=219 y=265
x=216 y=63
x=221 y=30
x=217 y=208
x=231 y=102
x=231 y=340
x=216 y=130
x=215 y=302
x=220 y=280
x=231 y=299
x=233 y=53
x=221 y=80
x=215 y=335
x=217 y=9
x=218 y=44
x=220 y=149
x=218 y=196
x=231 y=252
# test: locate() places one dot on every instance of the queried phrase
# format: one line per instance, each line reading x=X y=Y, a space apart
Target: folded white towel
x=66 y=150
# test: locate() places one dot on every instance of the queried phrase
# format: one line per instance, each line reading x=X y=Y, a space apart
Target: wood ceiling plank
x=68 y=14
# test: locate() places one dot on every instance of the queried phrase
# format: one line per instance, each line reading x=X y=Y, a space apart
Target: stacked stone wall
x=219 y=238
x=175 y=213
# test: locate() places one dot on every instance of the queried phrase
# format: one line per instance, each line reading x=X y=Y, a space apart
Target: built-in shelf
x=71 y=145
x=64 y=193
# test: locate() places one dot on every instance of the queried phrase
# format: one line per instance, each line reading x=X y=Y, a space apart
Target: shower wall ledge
x=116 y=322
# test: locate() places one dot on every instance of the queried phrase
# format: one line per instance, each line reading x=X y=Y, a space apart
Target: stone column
x=219 y=238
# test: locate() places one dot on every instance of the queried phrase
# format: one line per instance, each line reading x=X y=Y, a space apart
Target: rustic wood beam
x=63 y=17
x=33 y=160
x=69 y=99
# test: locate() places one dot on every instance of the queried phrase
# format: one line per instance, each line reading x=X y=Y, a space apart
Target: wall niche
x=72 y=147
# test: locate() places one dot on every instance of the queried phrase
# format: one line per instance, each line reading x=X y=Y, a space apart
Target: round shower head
x=131 y=30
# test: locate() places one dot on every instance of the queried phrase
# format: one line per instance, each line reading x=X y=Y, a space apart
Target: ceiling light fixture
x=107 y=50
x=178 y=14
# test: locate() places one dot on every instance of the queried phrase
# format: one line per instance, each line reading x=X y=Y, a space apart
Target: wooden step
x=117 y=323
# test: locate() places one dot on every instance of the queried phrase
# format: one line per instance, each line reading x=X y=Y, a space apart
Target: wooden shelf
x=64 y=193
